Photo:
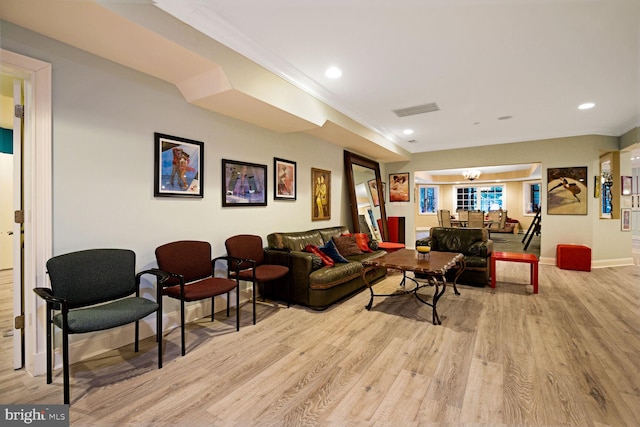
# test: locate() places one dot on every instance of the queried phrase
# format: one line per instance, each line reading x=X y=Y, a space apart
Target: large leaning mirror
x=366 y=196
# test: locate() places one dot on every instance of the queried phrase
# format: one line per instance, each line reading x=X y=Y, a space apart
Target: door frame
x=37 y=197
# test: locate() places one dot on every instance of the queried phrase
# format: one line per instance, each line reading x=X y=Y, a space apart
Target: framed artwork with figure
x=567 y=191
x=321 y=194
x=285 y=179
x=178 y=166
x=399 y=187
x=243 y=184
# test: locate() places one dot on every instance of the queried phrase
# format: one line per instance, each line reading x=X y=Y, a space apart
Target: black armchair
x=94 y=290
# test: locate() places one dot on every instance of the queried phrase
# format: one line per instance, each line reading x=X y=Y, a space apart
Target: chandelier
x=471 y=174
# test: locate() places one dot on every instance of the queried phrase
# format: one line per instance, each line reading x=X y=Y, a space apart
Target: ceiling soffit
x=230 y=85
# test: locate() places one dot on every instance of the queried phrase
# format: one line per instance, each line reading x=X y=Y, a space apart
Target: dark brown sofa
x=313 y=285
x=473 y=243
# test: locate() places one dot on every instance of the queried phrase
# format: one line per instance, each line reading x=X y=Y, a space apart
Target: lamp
x=471 y=174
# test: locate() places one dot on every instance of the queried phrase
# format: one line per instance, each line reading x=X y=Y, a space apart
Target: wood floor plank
x=483 y=398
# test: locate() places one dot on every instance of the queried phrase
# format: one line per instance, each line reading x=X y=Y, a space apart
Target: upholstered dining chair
x=445 y=215
x=463 y=216
x=94 y=290
x=253 y=267
x=494 y=219
x=476 y=219
x=192 y=277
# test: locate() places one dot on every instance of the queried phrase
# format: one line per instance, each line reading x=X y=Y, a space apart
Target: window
x=427 y=199
x=531 y=192
x=485 y=198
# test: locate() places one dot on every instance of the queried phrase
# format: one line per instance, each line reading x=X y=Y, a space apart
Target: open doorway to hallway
x=34 y=235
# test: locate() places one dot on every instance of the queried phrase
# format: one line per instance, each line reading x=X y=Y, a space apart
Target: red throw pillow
x=326 y=260
x=362 y=240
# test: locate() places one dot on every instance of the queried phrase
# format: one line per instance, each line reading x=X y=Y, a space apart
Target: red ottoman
x=573 y=257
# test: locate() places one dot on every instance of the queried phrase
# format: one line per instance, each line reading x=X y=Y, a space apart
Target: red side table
x=516 y=257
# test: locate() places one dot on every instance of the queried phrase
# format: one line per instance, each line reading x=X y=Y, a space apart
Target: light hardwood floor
x=568 y=356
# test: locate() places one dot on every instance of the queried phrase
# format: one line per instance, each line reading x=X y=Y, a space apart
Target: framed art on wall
x=625 y=219
x=178 y=166
x=373 y=189
x=321 y=191
x=566 y=191
x=625 y=185
x=284 y=179
x=399 y=187
x=243 y=184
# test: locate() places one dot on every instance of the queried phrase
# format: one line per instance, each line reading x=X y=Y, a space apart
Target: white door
x=17 y=228
x=6 y=212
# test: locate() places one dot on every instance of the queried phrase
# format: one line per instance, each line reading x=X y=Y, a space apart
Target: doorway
x=36 y=165
x=11 y=94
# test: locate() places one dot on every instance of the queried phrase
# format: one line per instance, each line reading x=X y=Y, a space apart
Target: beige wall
x=609 y=245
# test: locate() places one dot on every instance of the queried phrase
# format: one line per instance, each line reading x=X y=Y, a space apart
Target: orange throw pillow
x=362 y=240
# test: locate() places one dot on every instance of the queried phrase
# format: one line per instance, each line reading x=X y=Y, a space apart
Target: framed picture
x=399 y=187
x=178 y=166
x=625 y=219
x=284 y=179
x=243 y=184
x=625 y=185
x=321 y=191
x=567 y=191
x=596 y=186
x=373 y=189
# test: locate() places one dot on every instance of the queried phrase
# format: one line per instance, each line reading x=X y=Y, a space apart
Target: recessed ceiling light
x=586 y=106
x=408 y=131
x=333 y=72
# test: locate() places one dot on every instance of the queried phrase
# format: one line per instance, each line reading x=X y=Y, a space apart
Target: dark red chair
x=192 y=277
x=253 y=268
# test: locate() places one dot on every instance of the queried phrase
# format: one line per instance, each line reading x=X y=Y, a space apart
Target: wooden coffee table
x=429 y=270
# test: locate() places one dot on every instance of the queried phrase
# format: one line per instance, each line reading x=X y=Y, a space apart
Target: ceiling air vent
x=418 y=109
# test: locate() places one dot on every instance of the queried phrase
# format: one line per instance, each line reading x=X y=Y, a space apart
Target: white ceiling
x=534 y=60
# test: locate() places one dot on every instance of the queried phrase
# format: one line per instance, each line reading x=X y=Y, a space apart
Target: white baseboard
x=604 y=263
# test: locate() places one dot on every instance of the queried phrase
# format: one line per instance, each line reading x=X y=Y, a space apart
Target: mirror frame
x=351 y=159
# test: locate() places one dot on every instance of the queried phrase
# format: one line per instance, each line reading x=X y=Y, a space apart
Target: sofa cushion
x=331 y=250
x=295 y=241
x=329 y=232
x=347 y=245
x=324 y=258
x=326 y=278
x=362 y=240
x=475 y=261
x=457 y=240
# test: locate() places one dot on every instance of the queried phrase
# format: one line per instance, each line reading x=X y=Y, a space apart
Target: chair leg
x=49 y=346
x=136 y=346
x=213 y=307
x=238 y=307
x=254 y=302
x=288 y=291
x=65 y=365
x=228 y=302
x=182 y=325
x=159 y=335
